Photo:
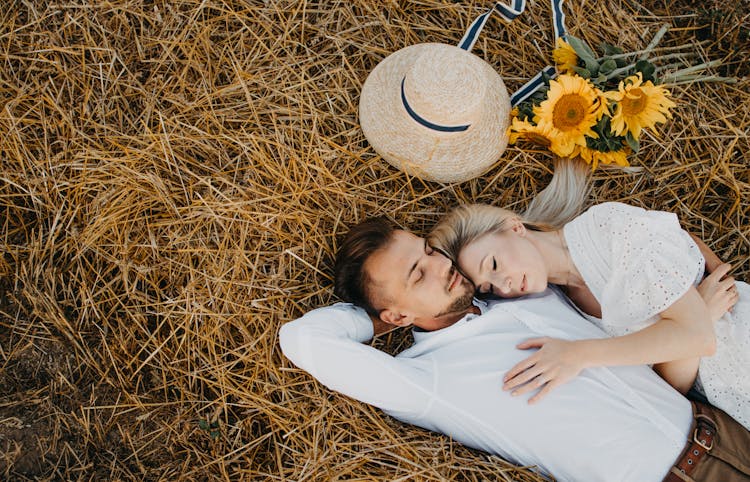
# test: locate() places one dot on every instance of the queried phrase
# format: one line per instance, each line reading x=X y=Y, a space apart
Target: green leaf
x=609 y=49
x=585 y=53
x=603 y=125
x=582 y=49
x=646 y=68
x=621 y=62
x=607 y=141
x=203 y=424
x=632 y=142
x=526 y=110
x=538 y=96
x=607 y=66
x=582 y=72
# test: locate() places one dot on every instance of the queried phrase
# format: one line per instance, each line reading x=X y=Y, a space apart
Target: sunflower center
x=634 y=102
x=569 y=111
x=538 y=139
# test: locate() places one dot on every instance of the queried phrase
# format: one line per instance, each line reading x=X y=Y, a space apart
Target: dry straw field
x=174 y=179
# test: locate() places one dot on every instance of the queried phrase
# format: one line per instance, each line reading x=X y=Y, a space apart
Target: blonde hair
x=557 y=204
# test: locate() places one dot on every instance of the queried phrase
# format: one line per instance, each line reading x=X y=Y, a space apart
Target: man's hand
x=718 y=291
x=557 y=362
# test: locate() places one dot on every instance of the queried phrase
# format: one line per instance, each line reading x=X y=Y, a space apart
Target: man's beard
x=462 y=303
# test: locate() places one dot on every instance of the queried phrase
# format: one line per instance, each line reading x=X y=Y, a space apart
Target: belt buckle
x=700 y=442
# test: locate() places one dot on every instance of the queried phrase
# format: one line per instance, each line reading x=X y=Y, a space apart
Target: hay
x=174 y=178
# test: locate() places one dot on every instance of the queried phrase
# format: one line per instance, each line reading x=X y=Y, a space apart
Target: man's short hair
x=350 y=280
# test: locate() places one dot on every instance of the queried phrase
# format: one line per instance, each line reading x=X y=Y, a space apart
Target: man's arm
x=329 y=344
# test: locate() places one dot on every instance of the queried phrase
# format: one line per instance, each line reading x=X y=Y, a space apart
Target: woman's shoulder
x=613 y=208
x=622 y=217
x=600 y=219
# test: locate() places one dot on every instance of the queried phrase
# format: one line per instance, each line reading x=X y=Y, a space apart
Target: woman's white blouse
x=636 y=263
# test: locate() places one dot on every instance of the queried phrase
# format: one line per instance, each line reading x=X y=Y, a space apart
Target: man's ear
x=394 y=318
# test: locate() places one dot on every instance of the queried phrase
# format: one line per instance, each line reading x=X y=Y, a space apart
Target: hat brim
x=419 y=150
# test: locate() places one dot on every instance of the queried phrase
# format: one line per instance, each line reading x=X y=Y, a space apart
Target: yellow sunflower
x=640 y=105
x=542 y=135
x=601 y=104
x=565 y=57
x=571 y=109
x=594 y=157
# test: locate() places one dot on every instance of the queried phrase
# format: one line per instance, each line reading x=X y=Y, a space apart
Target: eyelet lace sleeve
x=637 y=263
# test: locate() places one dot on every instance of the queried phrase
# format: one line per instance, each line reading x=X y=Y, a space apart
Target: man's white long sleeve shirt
x=608 y=424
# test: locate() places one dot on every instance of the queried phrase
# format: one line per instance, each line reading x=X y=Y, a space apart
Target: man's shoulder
x=551 y=295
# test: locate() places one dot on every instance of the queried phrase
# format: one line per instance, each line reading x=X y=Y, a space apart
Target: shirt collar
x=421 y=335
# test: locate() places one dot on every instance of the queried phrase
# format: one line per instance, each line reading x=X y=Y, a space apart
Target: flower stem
x=694 y=68
x=689 y=79
x=626 y=55
x=621 y=70
x=657 y=38
x=677 y=55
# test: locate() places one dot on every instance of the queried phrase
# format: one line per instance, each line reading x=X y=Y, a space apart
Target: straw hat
x=436 y=111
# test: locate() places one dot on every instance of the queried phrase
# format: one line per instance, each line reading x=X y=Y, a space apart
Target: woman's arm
x=716 y=291
x=679 y=373
x=681 y=333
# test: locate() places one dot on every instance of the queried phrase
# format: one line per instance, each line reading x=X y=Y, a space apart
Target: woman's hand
x=712 y=261
x=557 y=362
x=719 y=294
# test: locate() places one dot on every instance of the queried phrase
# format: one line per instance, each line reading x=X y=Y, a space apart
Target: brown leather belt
x=703 y=434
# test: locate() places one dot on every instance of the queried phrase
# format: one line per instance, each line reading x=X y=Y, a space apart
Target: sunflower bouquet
x=596 y=109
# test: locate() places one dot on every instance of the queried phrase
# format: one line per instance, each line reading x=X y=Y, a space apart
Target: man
x=622 y=423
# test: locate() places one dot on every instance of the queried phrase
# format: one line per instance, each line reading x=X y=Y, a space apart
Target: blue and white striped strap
x=558 y=19
x=421 y=120
x=532 y=85
x=509 y=13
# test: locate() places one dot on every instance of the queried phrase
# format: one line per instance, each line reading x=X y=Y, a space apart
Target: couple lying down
x=535 y=342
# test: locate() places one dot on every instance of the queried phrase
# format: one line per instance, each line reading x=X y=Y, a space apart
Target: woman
x=633 y=272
